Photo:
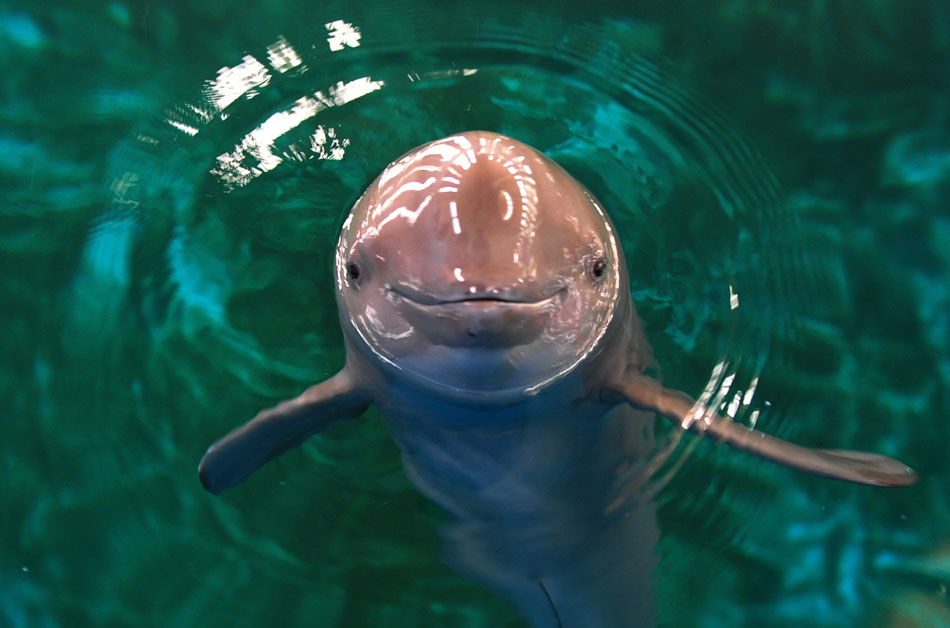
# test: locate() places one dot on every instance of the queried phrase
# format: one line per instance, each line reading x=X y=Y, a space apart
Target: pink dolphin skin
x=486 y=311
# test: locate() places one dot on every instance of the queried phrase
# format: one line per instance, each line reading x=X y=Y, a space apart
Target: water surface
x=173 y=185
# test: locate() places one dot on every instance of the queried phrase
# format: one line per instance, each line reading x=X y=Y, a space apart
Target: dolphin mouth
x=485 y=298
x=493 y=318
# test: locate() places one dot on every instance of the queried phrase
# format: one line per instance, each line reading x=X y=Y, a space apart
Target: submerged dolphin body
x=486 y=311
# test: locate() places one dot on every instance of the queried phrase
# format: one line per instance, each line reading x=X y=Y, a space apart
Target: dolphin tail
x=851 y=466
x=274 y=431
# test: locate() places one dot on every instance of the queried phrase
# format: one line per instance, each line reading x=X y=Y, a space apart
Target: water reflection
x=342 y=35
x=282 y=56
x=255 y=154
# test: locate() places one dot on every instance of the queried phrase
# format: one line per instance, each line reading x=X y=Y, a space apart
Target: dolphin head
x=477 y=264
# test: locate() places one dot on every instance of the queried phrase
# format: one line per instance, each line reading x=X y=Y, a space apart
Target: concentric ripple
x=215 y=253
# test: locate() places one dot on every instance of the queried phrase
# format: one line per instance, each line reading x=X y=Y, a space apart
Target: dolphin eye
x=598 y=268
x=352 y=271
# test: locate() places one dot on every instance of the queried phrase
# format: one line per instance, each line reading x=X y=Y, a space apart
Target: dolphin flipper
x=274 y=431
x=851 y=466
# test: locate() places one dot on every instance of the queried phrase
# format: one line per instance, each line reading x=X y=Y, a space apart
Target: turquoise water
x=173 y=182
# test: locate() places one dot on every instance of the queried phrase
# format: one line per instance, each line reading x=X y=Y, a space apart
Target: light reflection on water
x=210 y=272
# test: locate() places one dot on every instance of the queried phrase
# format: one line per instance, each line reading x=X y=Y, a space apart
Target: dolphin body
x=486 y=311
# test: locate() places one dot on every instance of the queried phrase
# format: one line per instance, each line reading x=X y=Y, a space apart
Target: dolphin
x=486 y=311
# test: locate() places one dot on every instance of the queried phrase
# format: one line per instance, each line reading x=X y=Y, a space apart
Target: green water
x=173 y=180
